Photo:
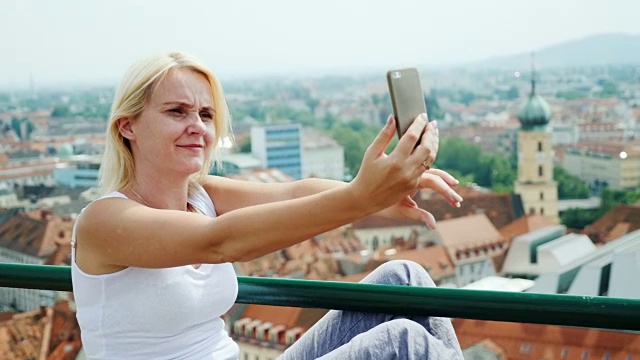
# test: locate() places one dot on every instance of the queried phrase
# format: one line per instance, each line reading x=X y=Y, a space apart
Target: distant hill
x=601 y=49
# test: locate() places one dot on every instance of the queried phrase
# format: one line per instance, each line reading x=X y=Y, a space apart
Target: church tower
x=535 y=184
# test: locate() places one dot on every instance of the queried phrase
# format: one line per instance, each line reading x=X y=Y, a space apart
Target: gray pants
x=359 y=335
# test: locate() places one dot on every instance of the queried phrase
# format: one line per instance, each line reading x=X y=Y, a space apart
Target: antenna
x=533 y=73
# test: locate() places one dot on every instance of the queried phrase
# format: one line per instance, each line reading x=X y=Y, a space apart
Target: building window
x=541 y=211
x=539 y=146
x=564 y=353
x=541 y=195
x=532 y=211
x=540 y=172
x=585 y=355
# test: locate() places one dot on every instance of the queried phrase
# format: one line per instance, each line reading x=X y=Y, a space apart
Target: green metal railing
x=569 y=310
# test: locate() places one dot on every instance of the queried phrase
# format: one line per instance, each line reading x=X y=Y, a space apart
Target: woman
x=151 y=267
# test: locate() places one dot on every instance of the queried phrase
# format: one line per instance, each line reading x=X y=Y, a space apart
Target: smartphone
x=407 y=97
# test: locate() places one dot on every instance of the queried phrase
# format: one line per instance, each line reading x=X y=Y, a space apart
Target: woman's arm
x=116 y=233
x=230 y=195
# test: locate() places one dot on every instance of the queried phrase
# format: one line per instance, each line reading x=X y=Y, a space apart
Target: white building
x=279 y=146
x=605 y=164
x=322 y=156
x=571 y=264
x=473 y=269
x=529 y=256
x=80 y=171
x=613 y=271
x=28 y=174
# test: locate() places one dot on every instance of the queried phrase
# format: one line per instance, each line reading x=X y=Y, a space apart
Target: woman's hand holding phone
x=386 y=183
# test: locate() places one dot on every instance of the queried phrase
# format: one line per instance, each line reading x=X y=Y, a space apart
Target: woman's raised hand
x=387 y=182
x=383 y=179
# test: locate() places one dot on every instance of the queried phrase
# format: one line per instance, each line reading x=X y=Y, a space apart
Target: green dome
x=535 y=112
x=65 y=150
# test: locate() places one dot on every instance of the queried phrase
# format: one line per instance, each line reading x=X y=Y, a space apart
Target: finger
x=448 y=178
x=413 y=212
x=427 y=150
x=428 y=219
x=382 y=141
x=437 y=184
x=409 y=140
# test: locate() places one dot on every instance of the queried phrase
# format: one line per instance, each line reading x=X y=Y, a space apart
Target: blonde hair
x=133 y=93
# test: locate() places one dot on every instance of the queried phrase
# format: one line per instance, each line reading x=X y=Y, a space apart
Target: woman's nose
x=196 y=125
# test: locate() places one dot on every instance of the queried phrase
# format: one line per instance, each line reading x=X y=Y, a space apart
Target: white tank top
x=171 y=313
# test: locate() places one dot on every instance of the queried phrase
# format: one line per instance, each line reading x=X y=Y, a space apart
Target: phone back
x=407 y=97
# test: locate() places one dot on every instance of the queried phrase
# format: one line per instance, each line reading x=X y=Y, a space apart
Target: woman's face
x=175 y=130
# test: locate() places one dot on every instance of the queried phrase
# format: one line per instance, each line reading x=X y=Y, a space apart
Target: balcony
x=568 y=310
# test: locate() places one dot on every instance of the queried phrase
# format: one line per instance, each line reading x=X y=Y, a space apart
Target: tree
x=489 y=170
x=511 y=93
x=611 y=198
x=61 y=111
x=22 y=127
x=245 y=145
x=467 y=97
x=569 y=186
x=433 y=108
x=312 y=103
x=579 y=218
x=457 y=154
x=354 y=137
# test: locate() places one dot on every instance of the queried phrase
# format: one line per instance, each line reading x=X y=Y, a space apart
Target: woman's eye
x=206 y=115
x=176 y=111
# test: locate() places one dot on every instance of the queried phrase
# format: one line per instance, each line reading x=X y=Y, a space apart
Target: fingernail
x=435 y=124
x=457 y=197
x=456 y=181
x=457 y=204
x=423 y=116
x=389 y=120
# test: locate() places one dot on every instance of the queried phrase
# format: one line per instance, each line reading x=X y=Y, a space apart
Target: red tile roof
x=433 y=258
x=312 y=258
x=533 y=341
x=499 y=209
x=524 y=225
x=37 y=233
x=616 y=222
x=50 y=333
x=469 y=236
x=283 y=315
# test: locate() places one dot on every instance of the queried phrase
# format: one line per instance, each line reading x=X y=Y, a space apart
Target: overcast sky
x=81 y=41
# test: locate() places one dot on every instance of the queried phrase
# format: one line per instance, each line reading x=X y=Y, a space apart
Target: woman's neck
x=160 y=192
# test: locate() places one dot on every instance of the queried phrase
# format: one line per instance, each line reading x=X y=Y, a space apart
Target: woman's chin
x=195 y=168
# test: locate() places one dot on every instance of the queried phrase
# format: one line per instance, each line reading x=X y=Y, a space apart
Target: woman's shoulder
x=103 y=206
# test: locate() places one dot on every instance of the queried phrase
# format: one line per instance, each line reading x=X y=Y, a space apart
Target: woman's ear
x=124 y=127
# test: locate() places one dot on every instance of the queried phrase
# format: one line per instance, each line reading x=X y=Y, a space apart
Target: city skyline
x=65 y=42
